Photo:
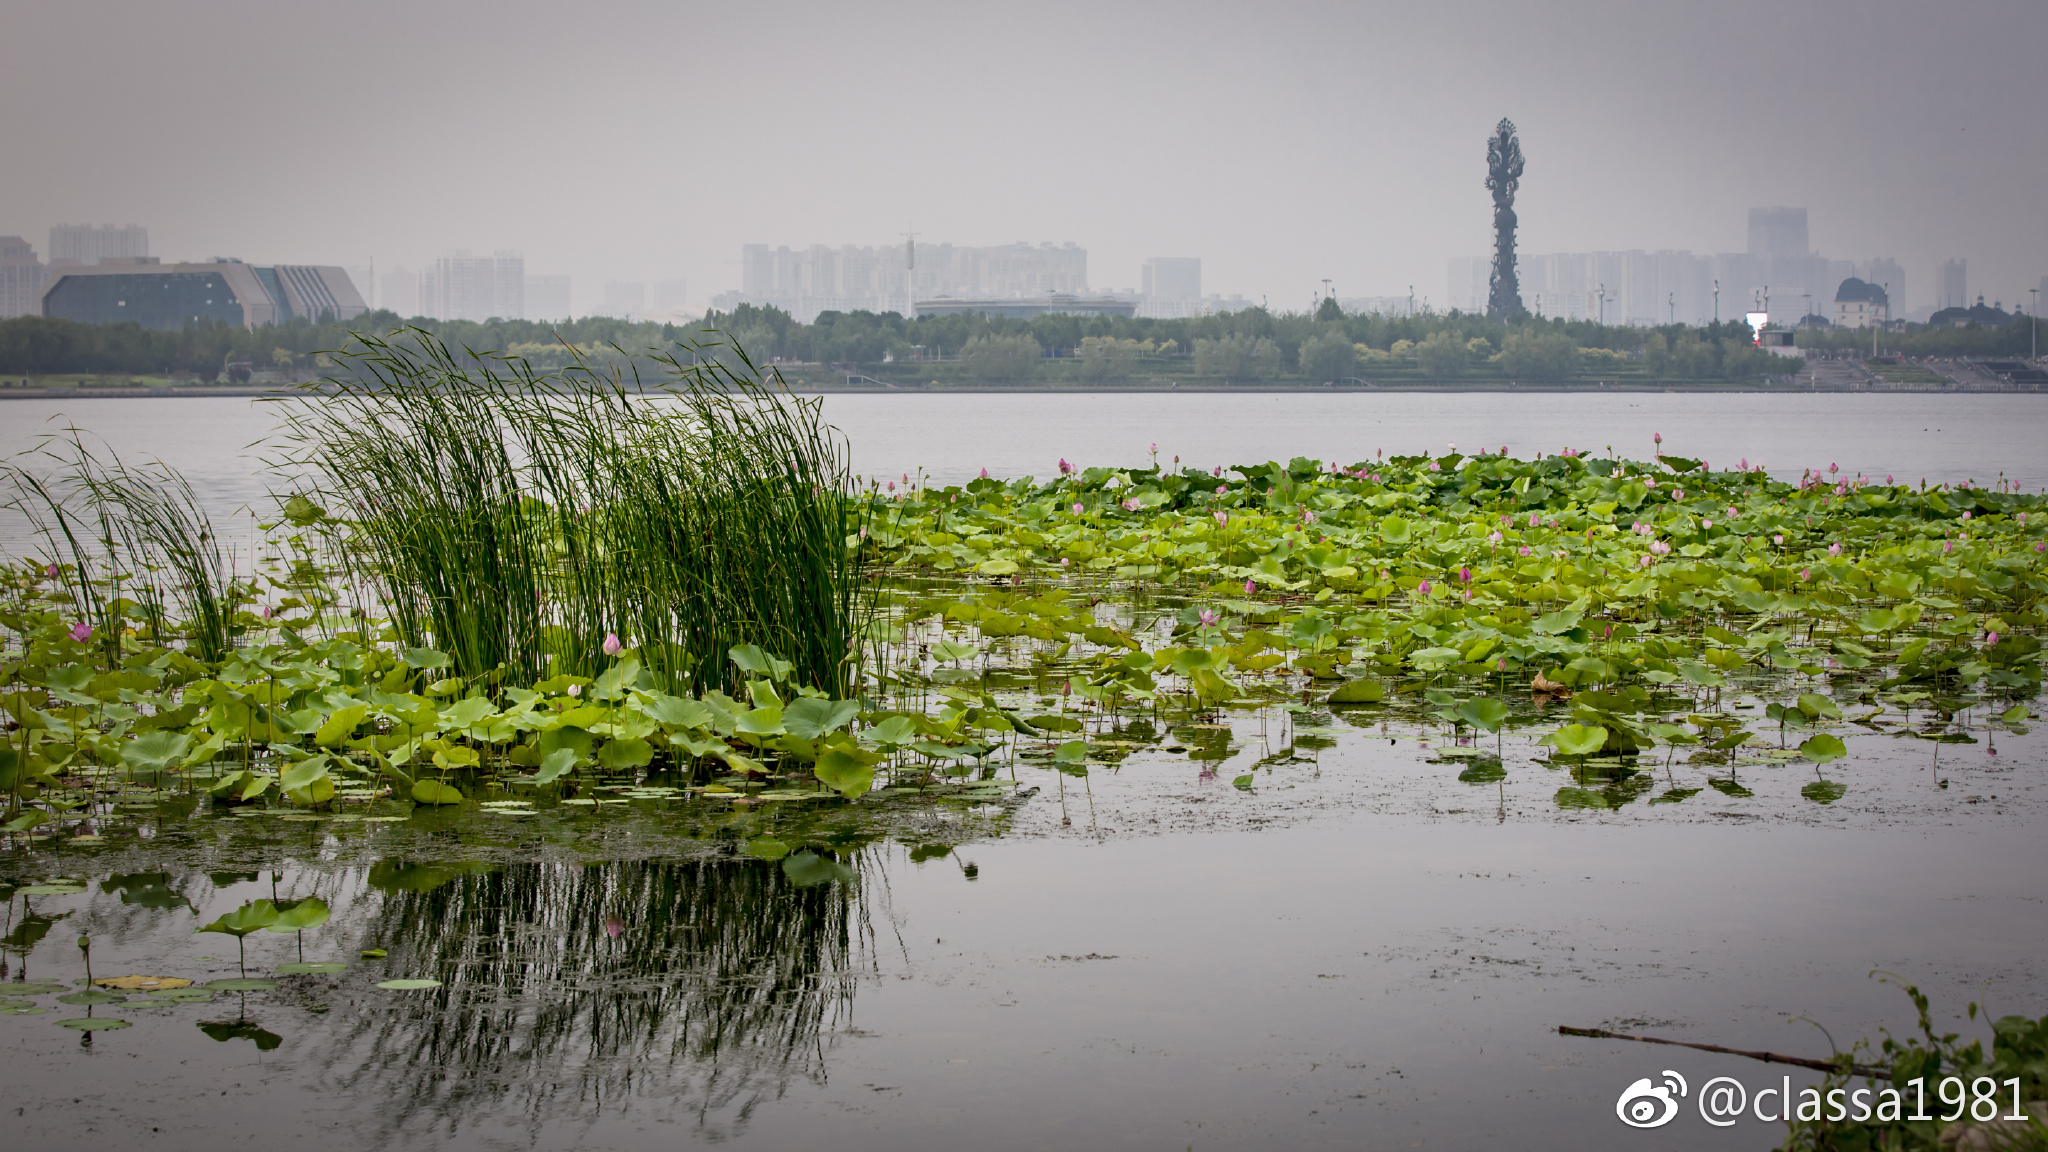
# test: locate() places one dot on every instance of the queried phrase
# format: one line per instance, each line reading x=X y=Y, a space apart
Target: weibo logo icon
x=1647 y=1105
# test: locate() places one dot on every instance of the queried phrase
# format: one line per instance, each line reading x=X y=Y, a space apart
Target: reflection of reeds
x=715 y=992
x=512 y=518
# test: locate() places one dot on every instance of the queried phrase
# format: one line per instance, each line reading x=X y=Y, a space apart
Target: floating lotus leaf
x=409 y=984
x=92 y=1024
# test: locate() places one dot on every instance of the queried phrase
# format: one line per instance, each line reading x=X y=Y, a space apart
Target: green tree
x=1001 y=357
x=1328 y=355
x=1328 y=310
x=1550 y=356
x=1228 y=356
x=1441 y=355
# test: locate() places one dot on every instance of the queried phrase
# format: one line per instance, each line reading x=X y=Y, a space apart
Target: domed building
x=1980 y=315
x=1861 y=304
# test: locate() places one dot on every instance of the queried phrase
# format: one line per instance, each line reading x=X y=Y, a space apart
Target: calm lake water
x=218 y=442
x=1370 y=950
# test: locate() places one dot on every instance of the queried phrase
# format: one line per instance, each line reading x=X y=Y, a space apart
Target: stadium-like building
x=141 y=291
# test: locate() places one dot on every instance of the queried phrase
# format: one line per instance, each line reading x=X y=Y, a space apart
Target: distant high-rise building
x=849 y=279
x=1777 y=232
x=547 y=298
x=21 y=278
x=1952 y=284
x=625 y=298
x=1889 y=275
x=1172 y=278
x=398 y=290
x=465 y=286
x=668 y=297
x=87 y=244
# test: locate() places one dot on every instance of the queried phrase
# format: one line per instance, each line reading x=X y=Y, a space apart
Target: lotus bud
x=1778 y=539
x=1834 y=549
x=1422 y=589
x=1223 y=519
x=575 y=689
x=1250 y=587
x=614 y=927
x=612 y=647
x=1657 y=437
x=1077 y=507
x=1991 y=638
x=50 y=571
x=1465 y=574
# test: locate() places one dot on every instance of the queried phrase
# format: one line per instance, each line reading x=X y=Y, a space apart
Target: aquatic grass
x=143 y=525
x=514 y=518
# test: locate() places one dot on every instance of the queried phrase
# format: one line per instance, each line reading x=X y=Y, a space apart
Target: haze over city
x=1282 y=146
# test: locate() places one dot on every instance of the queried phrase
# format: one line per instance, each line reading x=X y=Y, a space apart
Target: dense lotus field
x=1023 y=619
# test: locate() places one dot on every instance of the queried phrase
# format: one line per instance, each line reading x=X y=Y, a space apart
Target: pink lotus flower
x=575 y=689
x=612 y=647
x=1745 y=464
x=1778 y=539
x=1678 y=493
x=1465 y=574
x=1422 y=589
x=1525 y=550
x=1533 y=521
x=1834 y=549
x=1435 y=467
x=2042 y=546
x=1966 y=515
x=1307 y=517
x=1131 y=505
x=1223 y=489
x=1077 y=508
x=1250 y=587
x=81 y=631
x=1733 y=512
x=1223 y=519
x=1066 y=562
x=51 y=571
x=1706 y=524
x=1649 y=560
x=614 y=927
x=1991 y=638
x=1494 y=539
x=1209 y=617
x=1064 y=466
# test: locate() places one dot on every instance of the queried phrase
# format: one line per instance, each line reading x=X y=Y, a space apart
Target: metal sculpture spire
x=1503 y=176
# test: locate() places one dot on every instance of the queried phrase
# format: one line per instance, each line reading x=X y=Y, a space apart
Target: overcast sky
x=1281 y=143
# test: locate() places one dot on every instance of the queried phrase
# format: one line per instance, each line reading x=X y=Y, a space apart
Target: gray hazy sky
x=1282 y=143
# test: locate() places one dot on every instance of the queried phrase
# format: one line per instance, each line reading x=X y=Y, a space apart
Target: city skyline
x=1282 y=146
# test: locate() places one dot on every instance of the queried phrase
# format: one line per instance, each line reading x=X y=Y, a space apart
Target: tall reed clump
x=513 y=518
x=116 y=525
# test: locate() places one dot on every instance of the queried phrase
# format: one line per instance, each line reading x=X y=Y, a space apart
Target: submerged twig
x=1837 y=1065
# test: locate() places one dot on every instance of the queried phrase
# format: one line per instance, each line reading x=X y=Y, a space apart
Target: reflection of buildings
x=21 y=278
x=141 y=291
x=1649 y=288
x=818 y=279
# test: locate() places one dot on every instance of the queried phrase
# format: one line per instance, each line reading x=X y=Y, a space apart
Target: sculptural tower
x=1503 y=175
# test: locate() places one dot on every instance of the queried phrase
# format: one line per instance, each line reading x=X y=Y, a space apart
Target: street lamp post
x=2036 y=342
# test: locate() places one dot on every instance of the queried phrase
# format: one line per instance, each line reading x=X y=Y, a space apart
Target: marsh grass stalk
x=140 y=525
x=514 y=518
